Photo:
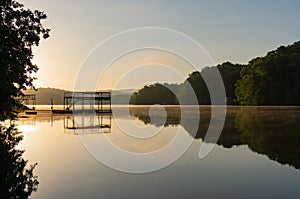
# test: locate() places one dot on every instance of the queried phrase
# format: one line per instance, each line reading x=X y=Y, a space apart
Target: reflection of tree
x=159 y=121
x=229 y=136
x=272 y=132
x=17 y=181
x=173 y=116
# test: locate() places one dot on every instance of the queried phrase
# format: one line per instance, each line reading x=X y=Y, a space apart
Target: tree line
x=273 y=79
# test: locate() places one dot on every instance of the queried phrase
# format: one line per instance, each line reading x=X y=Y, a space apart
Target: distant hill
x=121 y=96
x=44 y=95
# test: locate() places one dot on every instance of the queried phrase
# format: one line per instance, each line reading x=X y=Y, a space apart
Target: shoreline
x=45 y=112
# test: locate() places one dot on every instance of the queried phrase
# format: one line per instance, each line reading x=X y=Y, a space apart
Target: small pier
x=29 y=100
x=85 y=102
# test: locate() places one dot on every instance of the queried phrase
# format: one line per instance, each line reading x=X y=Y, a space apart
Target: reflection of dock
x=88 y=124
x=85 y=102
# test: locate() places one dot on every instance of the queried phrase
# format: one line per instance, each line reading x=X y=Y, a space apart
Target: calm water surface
x=257 y=155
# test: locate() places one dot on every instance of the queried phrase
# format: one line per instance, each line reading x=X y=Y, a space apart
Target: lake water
x=256 y=156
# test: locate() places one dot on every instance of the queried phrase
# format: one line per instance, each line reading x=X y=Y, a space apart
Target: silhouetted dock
x=85 y=102
x=80 y=111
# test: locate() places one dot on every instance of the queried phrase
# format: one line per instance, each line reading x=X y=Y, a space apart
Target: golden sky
x=235 y=31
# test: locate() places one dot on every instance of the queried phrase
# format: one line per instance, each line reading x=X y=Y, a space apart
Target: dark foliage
x=17 y=181
x=20 y=30
x=194 y=85
x=155 y=94
x=273 y=79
